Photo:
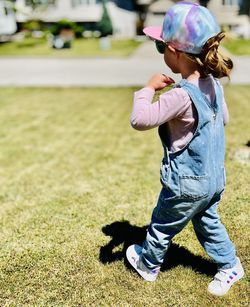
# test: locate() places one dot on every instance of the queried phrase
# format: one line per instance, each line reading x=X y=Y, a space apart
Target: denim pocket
x=165 y=173
x=195 y=187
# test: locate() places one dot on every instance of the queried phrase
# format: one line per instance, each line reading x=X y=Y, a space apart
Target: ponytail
x=211 y=60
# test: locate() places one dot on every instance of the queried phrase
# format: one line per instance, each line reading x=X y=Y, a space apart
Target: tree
x=105 y=24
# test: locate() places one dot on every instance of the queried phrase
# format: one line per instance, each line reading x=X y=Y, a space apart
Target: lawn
x=80 y=48
x=78 y=185
x=238 y=46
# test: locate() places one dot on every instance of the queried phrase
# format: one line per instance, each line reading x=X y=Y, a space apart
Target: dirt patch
x=243 y=155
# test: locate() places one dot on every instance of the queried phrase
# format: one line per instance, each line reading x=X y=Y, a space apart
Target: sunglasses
x=160 y=46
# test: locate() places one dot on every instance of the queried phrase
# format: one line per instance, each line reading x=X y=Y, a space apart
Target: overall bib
x=193 y=180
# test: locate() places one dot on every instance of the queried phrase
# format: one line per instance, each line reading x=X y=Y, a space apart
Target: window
x=84 y=2
x=231 y=2
x=39 y=2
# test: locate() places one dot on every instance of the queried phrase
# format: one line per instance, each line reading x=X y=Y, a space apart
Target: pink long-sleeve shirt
x=174 y=110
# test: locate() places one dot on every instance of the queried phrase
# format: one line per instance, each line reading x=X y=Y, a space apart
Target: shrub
x=65 y=24
x=33 y=25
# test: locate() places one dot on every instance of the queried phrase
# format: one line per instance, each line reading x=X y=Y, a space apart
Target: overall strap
x=201 y=102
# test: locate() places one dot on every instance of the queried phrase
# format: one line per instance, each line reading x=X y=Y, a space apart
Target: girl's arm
x=147 y=115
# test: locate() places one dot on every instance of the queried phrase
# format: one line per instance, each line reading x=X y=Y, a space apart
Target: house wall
x=84 y=11
x=123 y=21
x=7 y=19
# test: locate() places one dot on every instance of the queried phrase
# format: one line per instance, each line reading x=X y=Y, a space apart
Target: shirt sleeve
x=147 y=115
x=225 y=109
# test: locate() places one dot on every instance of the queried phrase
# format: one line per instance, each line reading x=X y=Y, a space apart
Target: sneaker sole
x=129 y=255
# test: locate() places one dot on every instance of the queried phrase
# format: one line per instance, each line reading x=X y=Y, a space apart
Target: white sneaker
x=224 y=279
x=133 y=255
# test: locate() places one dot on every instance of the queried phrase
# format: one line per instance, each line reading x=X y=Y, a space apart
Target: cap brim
x=153 y=32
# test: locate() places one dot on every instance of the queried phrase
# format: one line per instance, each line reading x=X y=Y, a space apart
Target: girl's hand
x=159 y=81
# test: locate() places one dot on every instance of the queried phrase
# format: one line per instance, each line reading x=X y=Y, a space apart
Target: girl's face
x=171 y=59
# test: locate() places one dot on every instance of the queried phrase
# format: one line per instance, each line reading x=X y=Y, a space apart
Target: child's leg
x=213 y=235
x=214 y=238
x=169 y=218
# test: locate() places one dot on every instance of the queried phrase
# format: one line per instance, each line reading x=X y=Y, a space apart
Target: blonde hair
x=211 y=60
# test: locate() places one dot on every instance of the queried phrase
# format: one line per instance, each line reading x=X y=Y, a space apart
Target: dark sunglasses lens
x=160 y=46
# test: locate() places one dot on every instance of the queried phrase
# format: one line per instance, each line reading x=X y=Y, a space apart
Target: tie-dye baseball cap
x=187 y=26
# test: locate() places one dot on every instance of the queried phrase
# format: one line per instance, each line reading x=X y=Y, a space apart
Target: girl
x=191 y=120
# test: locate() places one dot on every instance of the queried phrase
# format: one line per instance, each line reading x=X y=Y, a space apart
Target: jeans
x=170 y=216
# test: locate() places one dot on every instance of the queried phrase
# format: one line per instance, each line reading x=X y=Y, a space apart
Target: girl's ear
x=171 y=48
x=174 y=51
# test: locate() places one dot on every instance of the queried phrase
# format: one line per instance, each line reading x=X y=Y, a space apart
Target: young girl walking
x=191 y=119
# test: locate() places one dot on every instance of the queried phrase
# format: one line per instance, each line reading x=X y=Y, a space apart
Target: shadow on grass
x=125 y=234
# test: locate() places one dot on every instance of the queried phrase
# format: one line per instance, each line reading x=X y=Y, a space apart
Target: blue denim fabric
x=193 y=181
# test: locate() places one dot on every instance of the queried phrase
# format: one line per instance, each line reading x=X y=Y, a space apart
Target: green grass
x=237 y=46
x=80 y=48
x=72 y=172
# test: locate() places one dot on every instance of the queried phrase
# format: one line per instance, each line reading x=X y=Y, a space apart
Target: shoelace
x=221 y=275
x=224 y=275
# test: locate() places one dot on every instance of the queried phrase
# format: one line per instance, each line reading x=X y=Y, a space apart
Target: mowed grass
x=79 y=48
x=237 y=46
x=78 y=185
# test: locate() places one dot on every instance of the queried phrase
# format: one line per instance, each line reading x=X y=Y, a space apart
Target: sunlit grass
x=237 y=46
x=70 y=167
x=80 y=48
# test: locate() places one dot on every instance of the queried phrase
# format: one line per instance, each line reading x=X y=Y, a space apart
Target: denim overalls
x=193 y=180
